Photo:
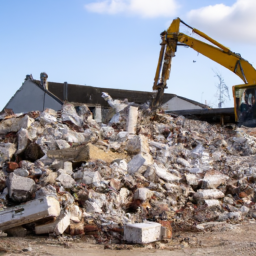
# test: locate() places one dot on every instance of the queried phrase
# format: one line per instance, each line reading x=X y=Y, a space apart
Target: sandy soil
x=219 y=240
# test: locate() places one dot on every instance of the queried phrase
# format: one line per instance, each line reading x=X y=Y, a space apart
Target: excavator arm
x=218 y=53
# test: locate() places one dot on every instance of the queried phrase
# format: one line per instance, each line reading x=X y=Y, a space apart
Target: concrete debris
x=67 y=173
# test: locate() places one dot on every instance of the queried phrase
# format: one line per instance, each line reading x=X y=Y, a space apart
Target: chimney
x=65 y=91
x=43 y=80
x=29 y=77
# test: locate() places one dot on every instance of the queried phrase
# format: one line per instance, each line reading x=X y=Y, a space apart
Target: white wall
x=179 y=104
x=30 y=97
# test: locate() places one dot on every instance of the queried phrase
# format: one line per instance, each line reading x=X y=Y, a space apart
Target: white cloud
x=142 y=8
x=231 y=23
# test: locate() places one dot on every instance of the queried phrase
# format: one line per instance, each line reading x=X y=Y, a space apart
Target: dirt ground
x=227 y=239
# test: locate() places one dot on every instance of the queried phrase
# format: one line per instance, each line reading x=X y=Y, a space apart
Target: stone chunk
x=213 y=179
x=57 y=227
x=12 y=166
x=208 y=194
x=135 y=164
x=16 y=232
x=20 y=189
x=21 y=172
x=66 y=180
x=165 y=175
x=91 y=178
x=69 y=114
x=7 y=150
x=142 y=194
x=62 y=144
x=46 y=118
x=183 y=162
x=68 y=167
x=92 y=207
x=141 y=233
x=15 y=124
x=22 y=140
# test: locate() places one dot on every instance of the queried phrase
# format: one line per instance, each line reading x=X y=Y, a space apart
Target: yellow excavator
x=244 y=94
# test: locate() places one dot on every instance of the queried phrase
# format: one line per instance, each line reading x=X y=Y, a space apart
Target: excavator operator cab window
x=246 y=105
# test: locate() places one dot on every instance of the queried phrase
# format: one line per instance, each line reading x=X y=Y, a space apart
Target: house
x=41 y=94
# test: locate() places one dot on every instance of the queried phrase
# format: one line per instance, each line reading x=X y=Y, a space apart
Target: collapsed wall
x=65 y=172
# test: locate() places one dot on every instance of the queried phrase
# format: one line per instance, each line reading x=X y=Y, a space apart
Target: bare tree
x=222 y=90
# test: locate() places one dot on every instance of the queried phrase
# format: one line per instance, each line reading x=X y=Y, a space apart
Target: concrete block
x=141 y=233
x=29 y=212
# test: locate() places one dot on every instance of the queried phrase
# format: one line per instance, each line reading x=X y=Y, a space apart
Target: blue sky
x=115 y=43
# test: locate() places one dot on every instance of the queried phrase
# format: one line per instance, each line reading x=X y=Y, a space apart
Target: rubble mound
x=65 y=172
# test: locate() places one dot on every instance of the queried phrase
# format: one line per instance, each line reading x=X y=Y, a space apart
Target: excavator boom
x=216 y=52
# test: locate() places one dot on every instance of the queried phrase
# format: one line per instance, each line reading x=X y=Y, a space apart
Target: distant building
x=39 y=95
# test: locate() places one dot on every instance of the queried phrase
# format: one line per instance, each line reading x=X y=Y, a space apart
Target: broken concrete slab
x=85 y=153
x=31 y=211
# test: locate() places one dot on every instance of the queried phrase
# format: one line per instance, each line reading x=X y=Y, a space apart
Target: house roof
x=92 y=95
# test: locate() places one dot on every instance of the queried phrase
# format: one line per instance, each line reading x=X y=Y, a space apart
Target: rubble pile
x=63 y=172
